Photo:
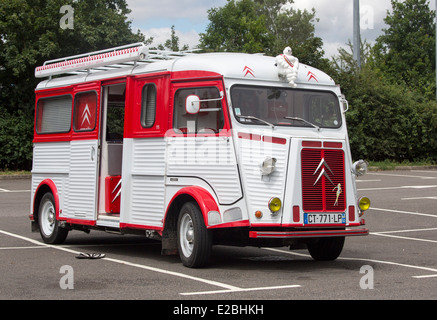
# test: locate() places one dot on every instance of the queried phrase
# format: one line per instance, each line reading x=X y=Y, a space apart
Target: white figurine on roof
x=288 y=66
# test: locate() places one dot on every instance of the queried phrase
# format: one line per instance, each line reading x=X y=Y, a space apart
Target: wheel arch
x=45 y=186
x=204 y=200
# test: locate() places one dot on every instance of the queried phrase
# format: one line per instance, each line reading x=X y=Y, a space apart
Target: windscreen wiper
x=260 y=120
x=303 y=120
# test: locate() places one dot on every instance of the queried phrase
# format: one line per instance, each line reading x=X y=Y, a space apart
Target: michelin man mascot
x=288 y=66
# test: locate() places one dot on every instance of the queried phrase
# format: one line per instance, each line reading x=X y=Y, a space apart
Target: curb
x=15 y=176
x=400 y=168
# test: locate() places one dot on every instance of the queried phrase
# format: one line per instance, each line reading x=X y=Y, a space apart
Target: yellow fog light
x=275 y=205
x=364 y=203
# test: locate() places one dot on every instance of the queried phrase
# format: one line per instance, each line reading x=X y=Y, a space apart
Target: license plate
x=324 y=218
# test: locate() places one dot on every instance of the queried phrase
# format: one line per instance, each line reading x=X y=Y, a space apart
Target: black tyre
x=49 y=227
x=326 y=249
x=194 y=239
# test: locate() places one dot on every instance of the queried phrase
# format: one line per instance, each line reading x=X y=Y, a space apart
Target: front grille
x=322 y=178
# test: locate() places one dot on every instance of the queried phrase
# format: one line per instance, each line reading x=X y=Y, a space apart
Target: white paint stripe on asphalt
x=401 y=237
x=241 y=290
x=409 y=230
x=227 y=287
x=399 y=175
x=13 y=191
x=20 y=248
x=406 y=212
x=420 y=198
x=361 y=259
x=426 y=276
x=401 y=187
x=177 y=274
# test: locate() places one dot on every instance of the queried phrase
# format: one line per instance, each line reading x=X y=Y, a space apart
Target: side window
x=148 y=106
x=54 y=115
x=85 y=111
x=209 y=119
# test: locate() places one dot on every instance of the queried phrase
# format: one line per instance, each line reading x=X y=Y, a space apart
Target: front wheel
x=326 y=249
x=194 y=239
x=49 y=227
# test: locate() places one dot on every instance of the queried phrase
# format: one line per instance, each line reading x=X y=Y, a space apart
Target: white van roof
x=137 y=59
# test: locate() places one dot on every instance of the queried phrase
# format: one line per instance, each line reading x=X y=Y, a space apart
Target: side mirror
x=345 y=104
x=192 y=104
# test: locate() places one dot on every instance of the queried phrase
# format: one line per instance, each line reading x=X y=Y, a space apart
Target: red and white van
x=194 y=150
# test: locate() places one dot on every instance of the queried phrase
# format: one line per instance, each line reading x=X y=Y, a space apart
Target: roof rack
x=108 y=59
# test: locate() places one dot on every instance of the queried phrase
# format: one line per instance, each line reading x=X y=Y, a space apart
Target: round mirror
x=192 y=104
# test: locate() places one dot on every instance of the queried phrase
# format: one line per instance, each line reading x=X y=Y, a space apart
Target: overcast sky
x=190 y=17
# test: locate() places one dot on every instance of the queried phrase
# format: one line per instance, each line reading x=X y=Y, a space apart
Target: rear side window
x=54 y=114
x=148 y=106
x=85 y=111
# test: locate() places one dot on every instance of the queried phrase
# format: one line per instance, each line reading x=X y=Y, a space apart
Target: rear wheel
x=49 y=227
x=326 y=249
x=194 y=239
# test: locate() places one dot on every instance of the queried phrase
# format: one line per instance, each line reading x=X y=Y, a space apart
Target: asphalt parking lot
x=398 y=260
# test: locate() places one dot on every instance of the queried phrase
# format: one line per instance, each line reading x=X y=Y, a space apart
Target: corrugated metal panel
x=211 y=159
x=148 y=156
x=258 y=189
x=147 y=200
x=83 y=178
x=51 y=161
x=143 y=195
x=51 y=157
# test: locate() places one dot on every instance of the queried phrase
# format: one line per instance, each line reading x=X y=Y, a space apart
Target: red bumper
x=307 y=234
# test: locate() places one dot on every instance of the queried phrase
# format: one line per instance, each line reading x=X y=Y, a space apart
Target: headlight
x=364 y=203
x=359 y=168
x=275 y=205
x=268 y=166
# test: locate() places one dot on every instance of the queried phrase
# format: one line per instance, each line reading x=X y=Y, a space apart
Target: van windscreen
x=255 y=105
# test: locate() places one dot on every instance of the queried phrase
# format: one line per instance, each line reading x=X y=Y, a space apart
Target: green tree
x=173 y=42
x=266 y=26
x=236 y=27
x=405 y=53
x=30 y=33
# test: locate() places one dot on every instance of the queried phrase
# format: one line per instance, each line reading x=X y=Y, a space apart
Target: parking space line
x=426 y=276
x=401 y=237
x=420 y=198
x=20 y=248
x=226 y=287
x=406 y=212
x=241 y=290
x=400 y=175
x=401 y=187
x=409 y=230
x=362 y=259
x=13 y=191
x=141 y=266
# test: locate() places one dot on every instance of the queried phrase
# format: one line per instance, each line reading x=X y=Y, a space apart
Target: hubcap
x=186 y=235
x=48 y=218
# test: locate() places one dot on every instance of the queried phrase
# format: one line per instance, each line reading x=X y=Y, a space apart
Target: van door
x=84 y=156
x=201 y=146
x=111 y=152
